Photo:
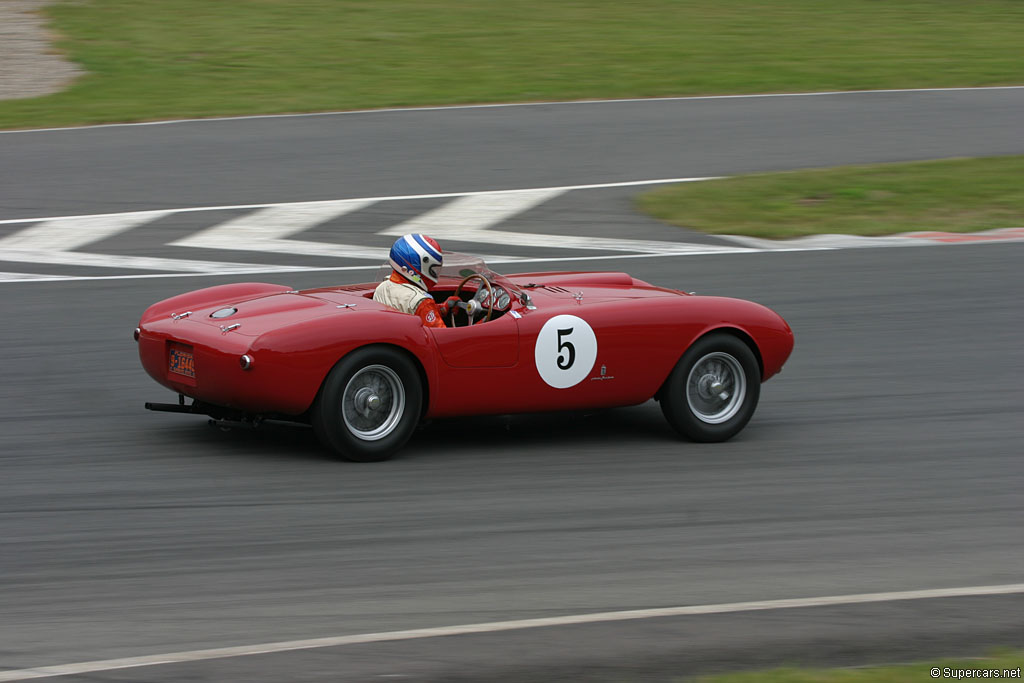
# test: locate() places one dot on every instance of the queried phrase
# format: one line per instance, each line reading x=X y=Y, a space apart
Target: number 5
x=568 y=347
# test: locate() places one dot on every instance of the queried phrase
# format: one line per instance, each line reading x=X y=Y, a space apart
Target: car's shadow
x=454 y=437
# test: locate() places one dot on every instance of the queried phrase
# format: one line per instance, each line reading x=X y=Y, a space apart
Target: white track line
x=498 y=626
x=78 y=258
x=507 y=105
x=14 y=277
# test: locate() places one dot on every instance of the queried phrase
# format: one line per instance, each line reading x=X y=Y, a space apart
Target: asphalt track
x=886 y=457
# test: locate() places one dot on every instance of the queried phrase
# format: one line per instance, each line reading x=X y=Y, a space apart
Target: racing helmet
x=418 y=259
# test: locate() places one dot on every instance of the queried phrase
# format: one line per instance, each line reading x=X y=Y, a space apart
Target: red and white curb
x=905 y=239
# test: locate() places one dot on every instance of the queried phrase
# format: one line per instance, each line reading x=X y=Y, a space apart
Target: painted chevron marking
x=472 y=213
x=266 y=230
x=69 y=234
x=468 y=219
x=52 y=242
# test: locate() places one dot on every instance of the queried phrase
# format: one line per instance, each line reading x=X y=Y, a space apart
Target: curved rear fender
x=211 y=296
x=417 y=360
x=297 y=358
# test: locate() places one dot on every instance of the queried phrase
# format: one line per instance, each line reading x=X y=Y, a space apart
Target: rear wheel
x=713 y=390
x=369 y=404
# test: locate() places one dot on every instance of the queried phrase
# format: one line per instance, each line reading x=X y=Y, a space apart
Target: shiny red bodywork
x=295 y=338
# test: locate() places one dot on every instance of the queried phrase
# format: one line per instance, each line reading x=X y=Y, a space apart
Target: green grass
x=908 y=673
x=155 y=59
x=961 y=195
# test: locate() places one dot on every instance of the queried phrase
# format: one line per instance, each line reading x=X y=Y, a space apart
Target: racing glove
x=449 y=304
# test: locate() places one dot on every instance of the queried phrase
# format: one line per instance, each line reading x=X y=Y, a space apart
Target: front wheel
x=369 y=404
x=713 y=390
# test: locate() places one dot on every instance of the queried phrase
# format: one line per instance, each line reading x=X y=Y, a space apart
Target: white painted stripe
x=13 y=277
x=499 y=626
x=68 y=234
x=300 y=247
x=508 y=105
x=390 y=198
x=473 y=213
x=272 y=224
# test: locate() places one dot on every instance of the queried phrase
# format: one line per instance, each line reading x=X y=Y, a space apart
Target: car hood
x=588 y=286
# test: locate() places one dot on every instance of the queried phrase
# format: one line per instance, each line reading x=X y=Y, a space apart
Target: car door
x=476 y=366
x=494 y=344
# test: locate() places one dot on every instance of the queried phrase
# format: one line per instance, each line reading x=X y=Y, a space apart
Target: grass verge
x=961 y=195
x=193 y=58
x=1008 y=664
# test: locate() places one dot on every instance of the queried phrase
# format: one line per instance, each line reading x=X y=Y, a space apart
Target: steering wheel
x=490 y=297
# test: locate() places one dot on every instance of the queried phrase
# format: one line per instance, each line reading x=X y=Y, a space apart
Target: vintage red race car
x=365 y=375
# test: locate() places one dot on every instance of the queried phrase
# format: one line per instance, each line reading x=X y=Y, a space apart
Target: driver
x=415 y=266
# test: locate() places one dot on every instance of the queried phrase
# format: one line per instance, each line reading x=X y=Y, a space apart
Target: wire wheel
x=713 y=390
x=716 y=387
x=373 y=402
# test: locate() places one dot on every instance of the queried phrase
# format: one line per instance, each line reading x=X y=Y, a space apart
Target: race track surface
x=886 y=457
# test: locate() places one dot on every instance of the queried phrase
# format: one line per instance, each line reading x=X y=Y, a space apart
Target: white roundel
x=565 y=352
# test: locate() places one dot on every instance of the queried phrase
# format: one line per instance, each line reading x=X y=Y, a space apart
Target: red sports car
x=364 y=375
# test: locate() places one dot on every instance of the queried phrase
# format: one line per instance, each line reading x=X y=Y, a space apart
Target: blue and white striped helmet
x=418 y=259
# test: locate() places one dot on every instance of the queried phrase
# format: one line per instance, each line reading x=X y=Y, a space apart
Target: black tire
x=369 y=405
x=701 y=411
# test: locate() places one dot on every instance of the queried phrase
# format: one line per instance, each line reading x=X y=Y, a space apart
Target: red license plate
x=181 y=362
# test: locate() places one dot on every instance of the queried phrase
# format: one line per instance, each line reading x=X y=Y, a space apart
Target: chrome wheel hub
x=366 y=401
x=373 y=402
x=716 y=387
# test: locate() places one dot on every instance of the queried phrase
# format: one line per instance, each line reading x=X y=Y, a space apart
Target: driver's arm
x=430 y=314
